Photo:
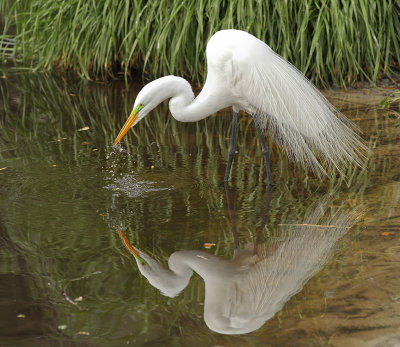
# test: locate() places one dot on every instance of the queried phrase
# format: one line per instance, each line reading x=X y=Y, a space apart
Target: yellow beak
x=129 y=123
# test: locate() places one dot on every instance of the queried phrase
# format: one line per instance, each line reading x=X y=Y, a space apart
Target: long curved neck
x=181 y=266
x=169 y=281
x=183 y=105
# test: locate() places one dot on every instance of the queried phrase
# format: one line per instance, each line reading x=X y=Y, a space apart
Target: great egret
x=243 y=293
x=246 y=74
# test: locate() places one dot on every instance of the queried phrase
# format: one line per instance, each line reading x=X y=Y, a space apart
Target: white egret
x=246 y=74
x=243 y=293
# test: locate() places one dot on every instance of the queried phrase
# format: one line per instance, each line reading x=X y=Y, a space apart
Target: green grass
x=331 y=41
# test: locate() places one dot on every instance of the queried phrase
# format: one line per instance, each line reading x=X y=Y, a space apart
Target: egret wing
x=296 y=114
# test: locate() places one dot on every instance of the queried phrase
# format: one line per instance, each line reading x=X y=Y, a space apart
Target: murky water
x=315 y=262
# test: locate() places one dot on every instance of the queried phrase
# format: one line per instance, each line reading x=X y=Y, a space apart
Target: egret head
x=144 y=103
x=151 y=95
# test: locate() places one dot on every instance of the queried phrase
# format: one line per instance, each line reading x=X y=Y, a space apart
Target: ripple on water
x=133 y=187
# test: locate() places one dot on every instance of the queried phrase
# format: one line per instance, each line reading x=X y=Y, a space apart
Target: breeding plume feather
x=246 y=74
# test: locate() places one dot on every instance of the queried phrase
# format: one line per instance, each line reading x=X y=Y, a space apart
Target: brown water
x=67 y=279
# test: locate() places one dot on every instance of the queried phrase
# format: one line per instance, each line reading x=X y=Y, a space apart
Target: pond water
x=314 y=262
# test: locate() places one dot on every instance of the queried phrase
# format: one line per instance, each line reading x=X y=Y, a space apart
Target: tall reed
x=331 y=41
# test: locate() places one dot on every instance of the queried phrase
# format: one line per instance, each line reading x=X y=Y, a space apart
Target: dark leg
x=232 y=217
x=232 y=148
x=264 y=221
x=264 y=147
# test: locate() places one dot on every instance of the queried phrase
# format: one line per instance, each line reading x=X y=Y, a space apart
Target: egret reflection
x=241 y=294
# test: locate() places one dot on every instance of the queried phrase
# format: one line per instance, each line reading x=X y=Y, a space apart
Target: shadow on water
x=65 y=276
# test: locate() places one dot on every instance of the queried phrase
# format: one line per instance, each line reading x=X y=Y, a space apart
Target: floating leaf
x=209 y=245
x=85 y=333
x=58 y=140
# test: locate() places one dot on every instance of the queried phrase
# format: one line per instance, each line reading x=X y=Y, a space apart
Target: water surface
x=66 y=278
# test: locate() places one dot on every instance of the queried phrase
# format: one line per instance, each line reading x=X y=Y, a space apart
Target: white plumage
x=246 y=74
x=298 y=116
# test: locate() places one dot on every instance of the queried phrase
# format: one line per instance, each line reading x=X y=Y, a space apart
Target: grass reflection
x=62 y=200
